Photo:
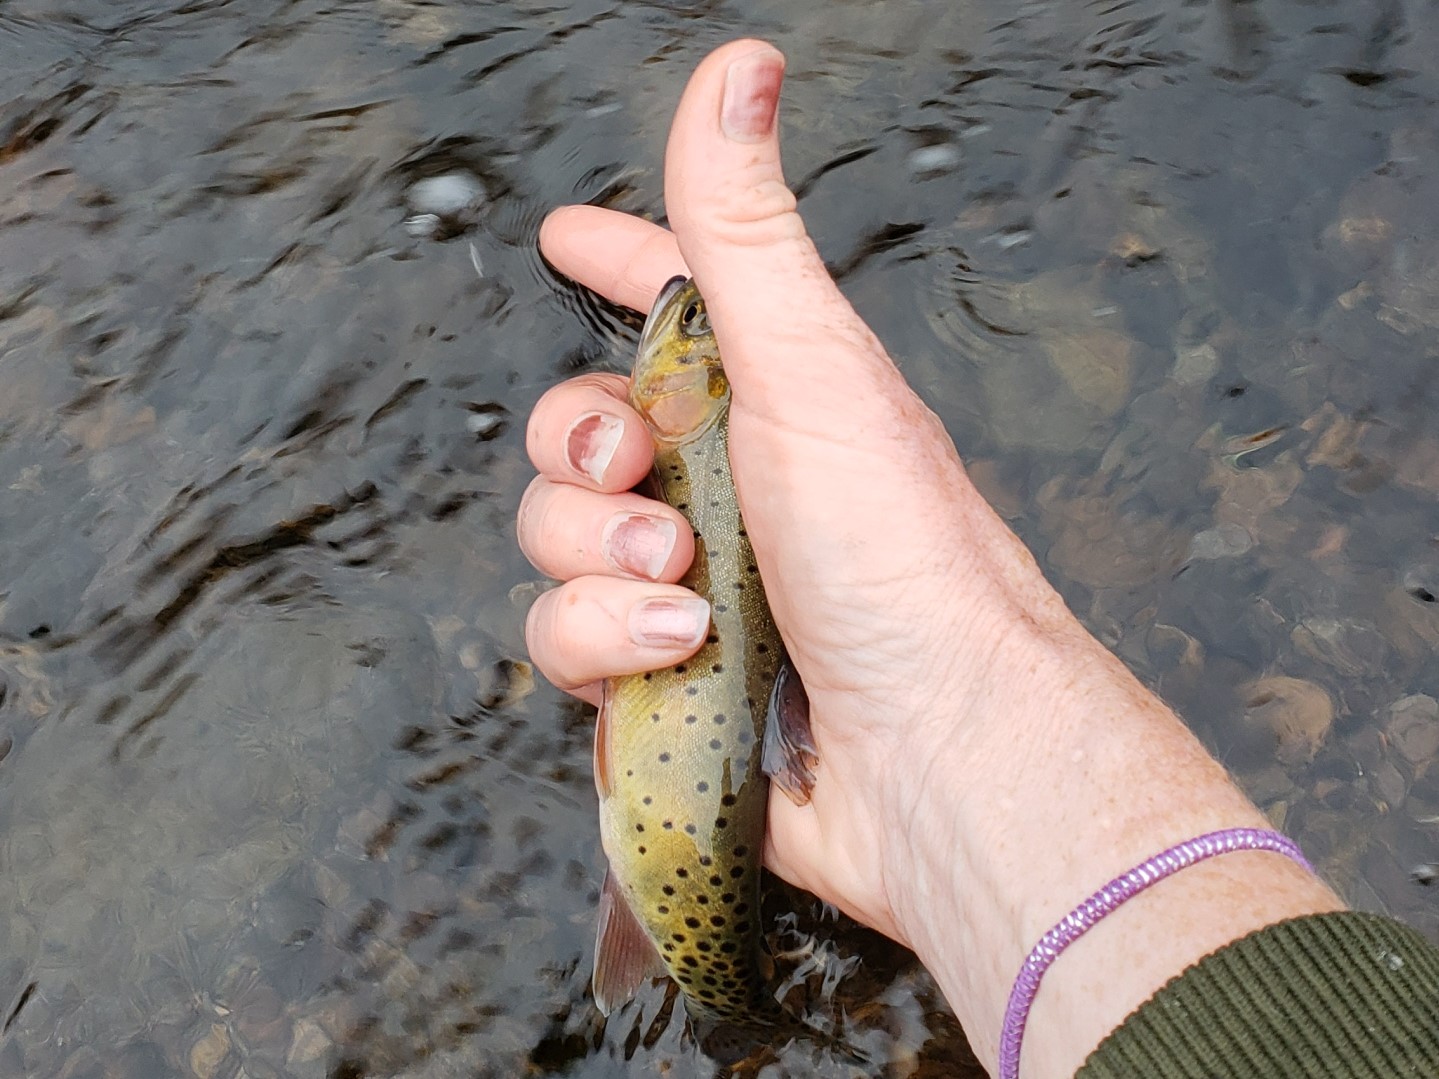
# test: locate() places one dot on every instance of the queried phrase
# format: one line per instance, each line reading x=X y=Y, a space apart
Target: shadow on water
x=280 y=794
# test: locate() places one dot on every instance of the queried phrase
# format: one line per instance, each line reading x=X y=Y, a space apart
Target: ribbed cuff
x=1329 y=996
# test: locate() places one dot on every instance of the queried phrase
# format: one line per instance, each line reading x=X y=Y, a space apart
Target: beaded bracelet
x=1109 y=898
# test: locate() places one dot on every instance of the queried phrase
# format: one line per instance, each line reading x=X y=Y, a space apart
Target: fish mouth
x=667 y=293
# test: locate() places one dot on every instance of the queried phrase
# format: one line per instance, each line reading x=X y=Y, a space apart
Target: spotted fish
x=681 y=754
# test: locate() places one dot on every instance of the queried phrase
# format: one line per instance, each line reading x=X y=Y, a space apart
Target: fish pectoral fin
x=790 y=757
x=625 y=958
x=604 y=773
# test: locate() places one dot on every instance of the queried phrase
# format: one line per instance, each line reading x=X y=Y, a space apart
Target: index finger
x=623 y=258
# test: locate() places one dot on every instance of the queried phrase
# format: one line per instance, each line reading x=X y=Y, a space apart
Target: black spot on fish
x=679 y=938
x=704 y=945
x=629 y=773
x=761 y=647
x=721 y=822
x=713 y=638
x=654 y=717
x=718 y=668
x=745 y=738
x=669 y=947
x=639 y=827
x=647 y=799
x=668 y=889
x=716 y=881
x=680 y=669
x=690 y=691
x=690 y=961
x=702 y=786
x=681 y=872
x=729 y=947
x=707 y=994
x=697 y=533
x=722 y=607
x=643 y=851
x=741 y=851
x=649 y=675
x=710 y=979
x=702 y=899
x=728 y=800
x=742 y=532
x=737 y=872
x=682 y=506
x=715 y=743
x=741 y=908
x=664 y=758
x=719 y=719
x=705 y=860
x=739 y=585
x=689 y=829
x=751 y=568
x=728 y=897
x=692 y=718
x=717 y=920
x=668 y=826
x=693 y=923
x=662 y=909
x=718 y=472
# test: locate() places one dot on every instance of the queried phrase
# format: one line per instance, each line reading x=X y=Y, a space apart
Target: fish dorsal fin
x=624 y=956
x=790 y=757
x=604 y=779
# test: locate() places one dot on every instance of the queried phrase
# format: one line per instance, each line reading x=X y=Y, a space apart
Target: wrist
x=1052 y=786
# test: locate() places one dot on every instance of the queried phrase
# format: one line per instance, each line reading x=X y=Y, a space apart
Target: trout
x=681 y=754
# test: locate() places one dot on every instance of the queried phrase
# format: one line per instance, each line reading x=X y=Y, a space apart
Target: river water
x=280 y=795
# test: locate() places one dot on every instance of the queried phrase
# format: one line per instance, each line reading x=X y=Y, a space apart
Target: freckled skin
x=684 y=817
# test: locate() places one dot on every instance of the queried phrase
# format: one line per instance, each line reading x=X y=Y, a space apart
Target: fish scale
x=678 y=750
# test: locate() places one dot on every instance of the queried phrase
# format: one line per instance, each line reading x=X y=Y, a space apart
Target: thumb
x=785 y=328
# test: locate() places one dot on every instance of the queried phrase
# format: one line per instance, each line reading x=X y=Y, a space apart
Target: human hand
x=886 y=572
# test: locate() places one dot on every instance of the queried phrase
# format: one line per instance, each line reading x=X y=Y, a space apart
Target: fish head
x=679 y=385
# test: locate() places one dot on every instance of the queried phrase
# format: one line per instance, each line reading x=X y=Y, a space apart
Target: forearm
x=1075 y=775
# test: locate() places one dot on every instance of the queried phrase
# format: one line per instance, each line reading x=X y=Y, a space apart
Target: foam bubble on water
x=447 y=195
x=930 y=159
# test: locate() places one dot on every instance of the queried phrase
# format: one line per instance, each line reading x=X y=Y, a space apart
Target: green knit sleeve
x=1330 y=996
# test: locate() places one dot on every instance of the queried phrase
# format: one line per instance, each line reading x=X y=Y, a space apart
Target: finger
x=766 y=287
x=583 y=432
x=594 y=628
x=567 y=532
x=623 y=258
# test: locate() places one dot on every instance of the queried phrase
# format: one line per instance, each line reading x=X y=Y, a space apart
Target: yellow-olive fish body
x=678 y=752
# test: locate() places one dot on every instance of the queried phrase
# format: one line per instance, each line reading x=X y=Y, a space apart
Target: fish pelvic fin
x=625 y=958
x=790 y=757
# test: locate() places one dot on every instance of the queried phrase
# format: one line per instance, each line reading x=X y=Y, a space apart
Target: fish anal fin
x=790 y=757
x=624 y=956
x=604 y=776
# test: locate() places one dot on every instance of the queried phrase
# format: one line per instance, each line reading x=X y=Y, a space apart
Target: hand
x=985 y=763
x=883 y=566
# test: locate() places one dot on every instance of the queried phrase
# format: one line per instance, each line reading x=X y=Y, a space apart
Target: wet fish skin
x=678 y=751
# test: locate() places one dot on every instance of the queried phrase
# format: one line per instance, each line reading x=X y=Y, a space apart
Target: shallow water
x=279 y=795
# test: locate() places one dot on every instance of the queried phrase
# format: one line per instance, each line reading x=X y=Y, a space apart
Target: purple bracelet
x=1124 y=887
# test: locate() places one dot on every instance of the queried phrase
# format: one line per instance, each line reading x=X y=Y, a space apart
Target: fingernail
x=637 y=543
x=751 y=96
x=591 y=442
x=669 y=623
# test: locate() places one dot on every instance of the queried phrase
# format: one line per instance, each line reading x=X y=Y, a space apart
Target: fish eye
x=695 y=321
